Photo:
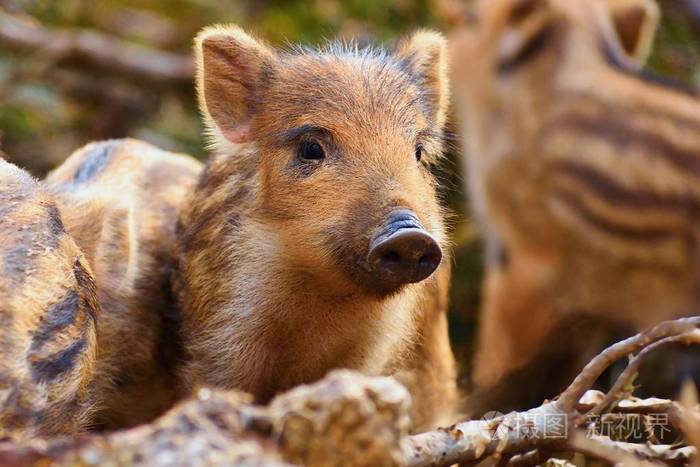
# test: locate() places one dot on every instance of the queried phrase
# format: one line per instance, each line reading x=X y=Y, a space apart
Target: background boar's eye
x=419 y=152
x=310 y=151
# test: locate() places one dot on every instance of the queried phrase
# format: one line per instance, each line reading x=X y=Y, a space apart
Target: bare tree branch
x=628 y=454
x=103 y=51
x=615 y=393
x=475 y=440
x=638 y=406
x=584 y=381
x=522 y=432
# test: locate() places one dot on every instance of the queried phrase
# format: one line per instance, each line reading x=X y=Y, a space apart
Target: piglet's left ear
x=233 y=71
x=425 y=55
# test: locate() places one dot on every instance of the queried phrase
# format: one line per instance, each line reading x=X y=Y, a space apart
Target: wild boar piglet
x=315 y=238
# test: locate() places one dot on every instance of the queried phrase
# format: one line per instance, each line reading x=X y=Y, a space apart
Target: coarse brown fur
x=583 y=172
x=120 y=201
x=248 y=272
x=48 y=314
x=70 y=364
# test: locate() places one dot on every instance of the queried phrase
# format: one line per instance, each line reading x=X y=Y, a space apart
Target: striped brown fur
x=244 y=273
x=70 y=364
x=120 y=201
x=585 y=172
x=48 y=315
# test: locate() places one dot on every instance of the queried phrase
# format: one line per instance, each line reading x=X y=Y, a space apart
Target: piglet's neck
x=283 y=330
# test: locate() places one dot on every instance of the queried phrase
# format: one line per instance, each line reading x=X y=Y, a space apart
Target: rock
x=344 y=419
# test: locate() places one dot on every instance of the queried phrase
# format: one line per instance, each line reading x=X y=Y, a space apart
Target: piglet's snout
x=403 y=252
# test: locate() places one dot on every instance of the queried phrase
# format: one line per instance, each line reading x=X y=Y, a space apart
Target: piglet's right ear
x=233 y=70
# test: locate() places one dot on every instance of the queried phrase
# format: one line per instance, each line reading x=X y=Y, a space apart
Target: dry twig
x=584 y=381
x=626 y=454
x=613 y=396
x=474 y=440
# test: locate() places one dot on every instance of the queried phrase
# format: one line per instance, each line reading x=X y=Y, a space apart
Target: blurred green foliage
x=44 y=115
x=48 y=109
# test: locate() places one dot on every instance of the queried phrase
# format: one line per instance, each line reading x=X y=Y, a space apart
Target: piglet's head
x=343 y=139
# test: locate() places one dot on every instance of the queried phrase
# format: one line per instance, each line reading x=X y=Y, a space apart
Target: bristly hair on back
x=339 y=48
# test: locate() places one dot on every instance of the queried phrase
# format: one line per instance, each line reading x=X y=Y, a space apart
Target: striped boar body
x=48 y=310
x=312 y=239
x=120 y=200
x=583 y=169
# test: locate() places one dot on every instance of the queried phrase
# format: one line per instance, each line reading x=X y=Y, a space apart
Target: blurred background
x=73 y=71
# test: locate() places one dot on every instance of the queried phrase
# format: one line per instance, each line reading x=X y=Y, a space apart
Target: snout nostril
x=391 y=257
x=429 y=260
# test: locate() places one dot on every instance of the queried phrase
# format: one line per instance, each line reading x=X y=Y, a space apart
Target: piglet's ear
x=425 y=55
x=233 y=70
x=634 y=24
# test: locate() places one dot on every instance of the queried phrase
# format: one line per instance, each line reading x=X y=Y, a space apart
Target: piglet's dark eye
x=310 y=151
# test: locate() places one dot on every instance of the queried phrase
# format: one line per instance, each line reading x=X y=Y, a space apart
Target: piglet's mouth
x=403 y=252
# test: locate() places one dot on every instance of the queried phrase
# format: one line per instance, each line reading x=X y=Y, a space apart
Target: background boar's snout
x=403 y=252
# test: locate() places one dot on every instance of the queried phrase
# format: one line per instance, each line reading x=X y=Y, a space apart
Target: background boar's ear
x=425 y=55
x=634 y=24
x=526 y=30
x=233 y=70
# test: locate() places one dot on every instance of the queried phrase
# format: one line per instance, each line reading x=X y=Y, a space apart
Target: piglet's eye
x=310 y=151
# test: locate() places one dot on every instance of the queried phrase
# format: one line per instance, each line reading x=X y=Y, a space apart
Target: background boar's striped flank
x=584 y=173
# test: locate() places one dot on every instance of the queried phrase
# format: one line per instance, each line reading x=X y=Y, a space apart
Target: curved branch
x=613 y=395
x=568 y=399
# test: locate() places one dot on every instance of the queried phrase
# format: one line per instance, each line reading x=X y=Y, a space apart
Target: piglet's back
x=120 y=200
